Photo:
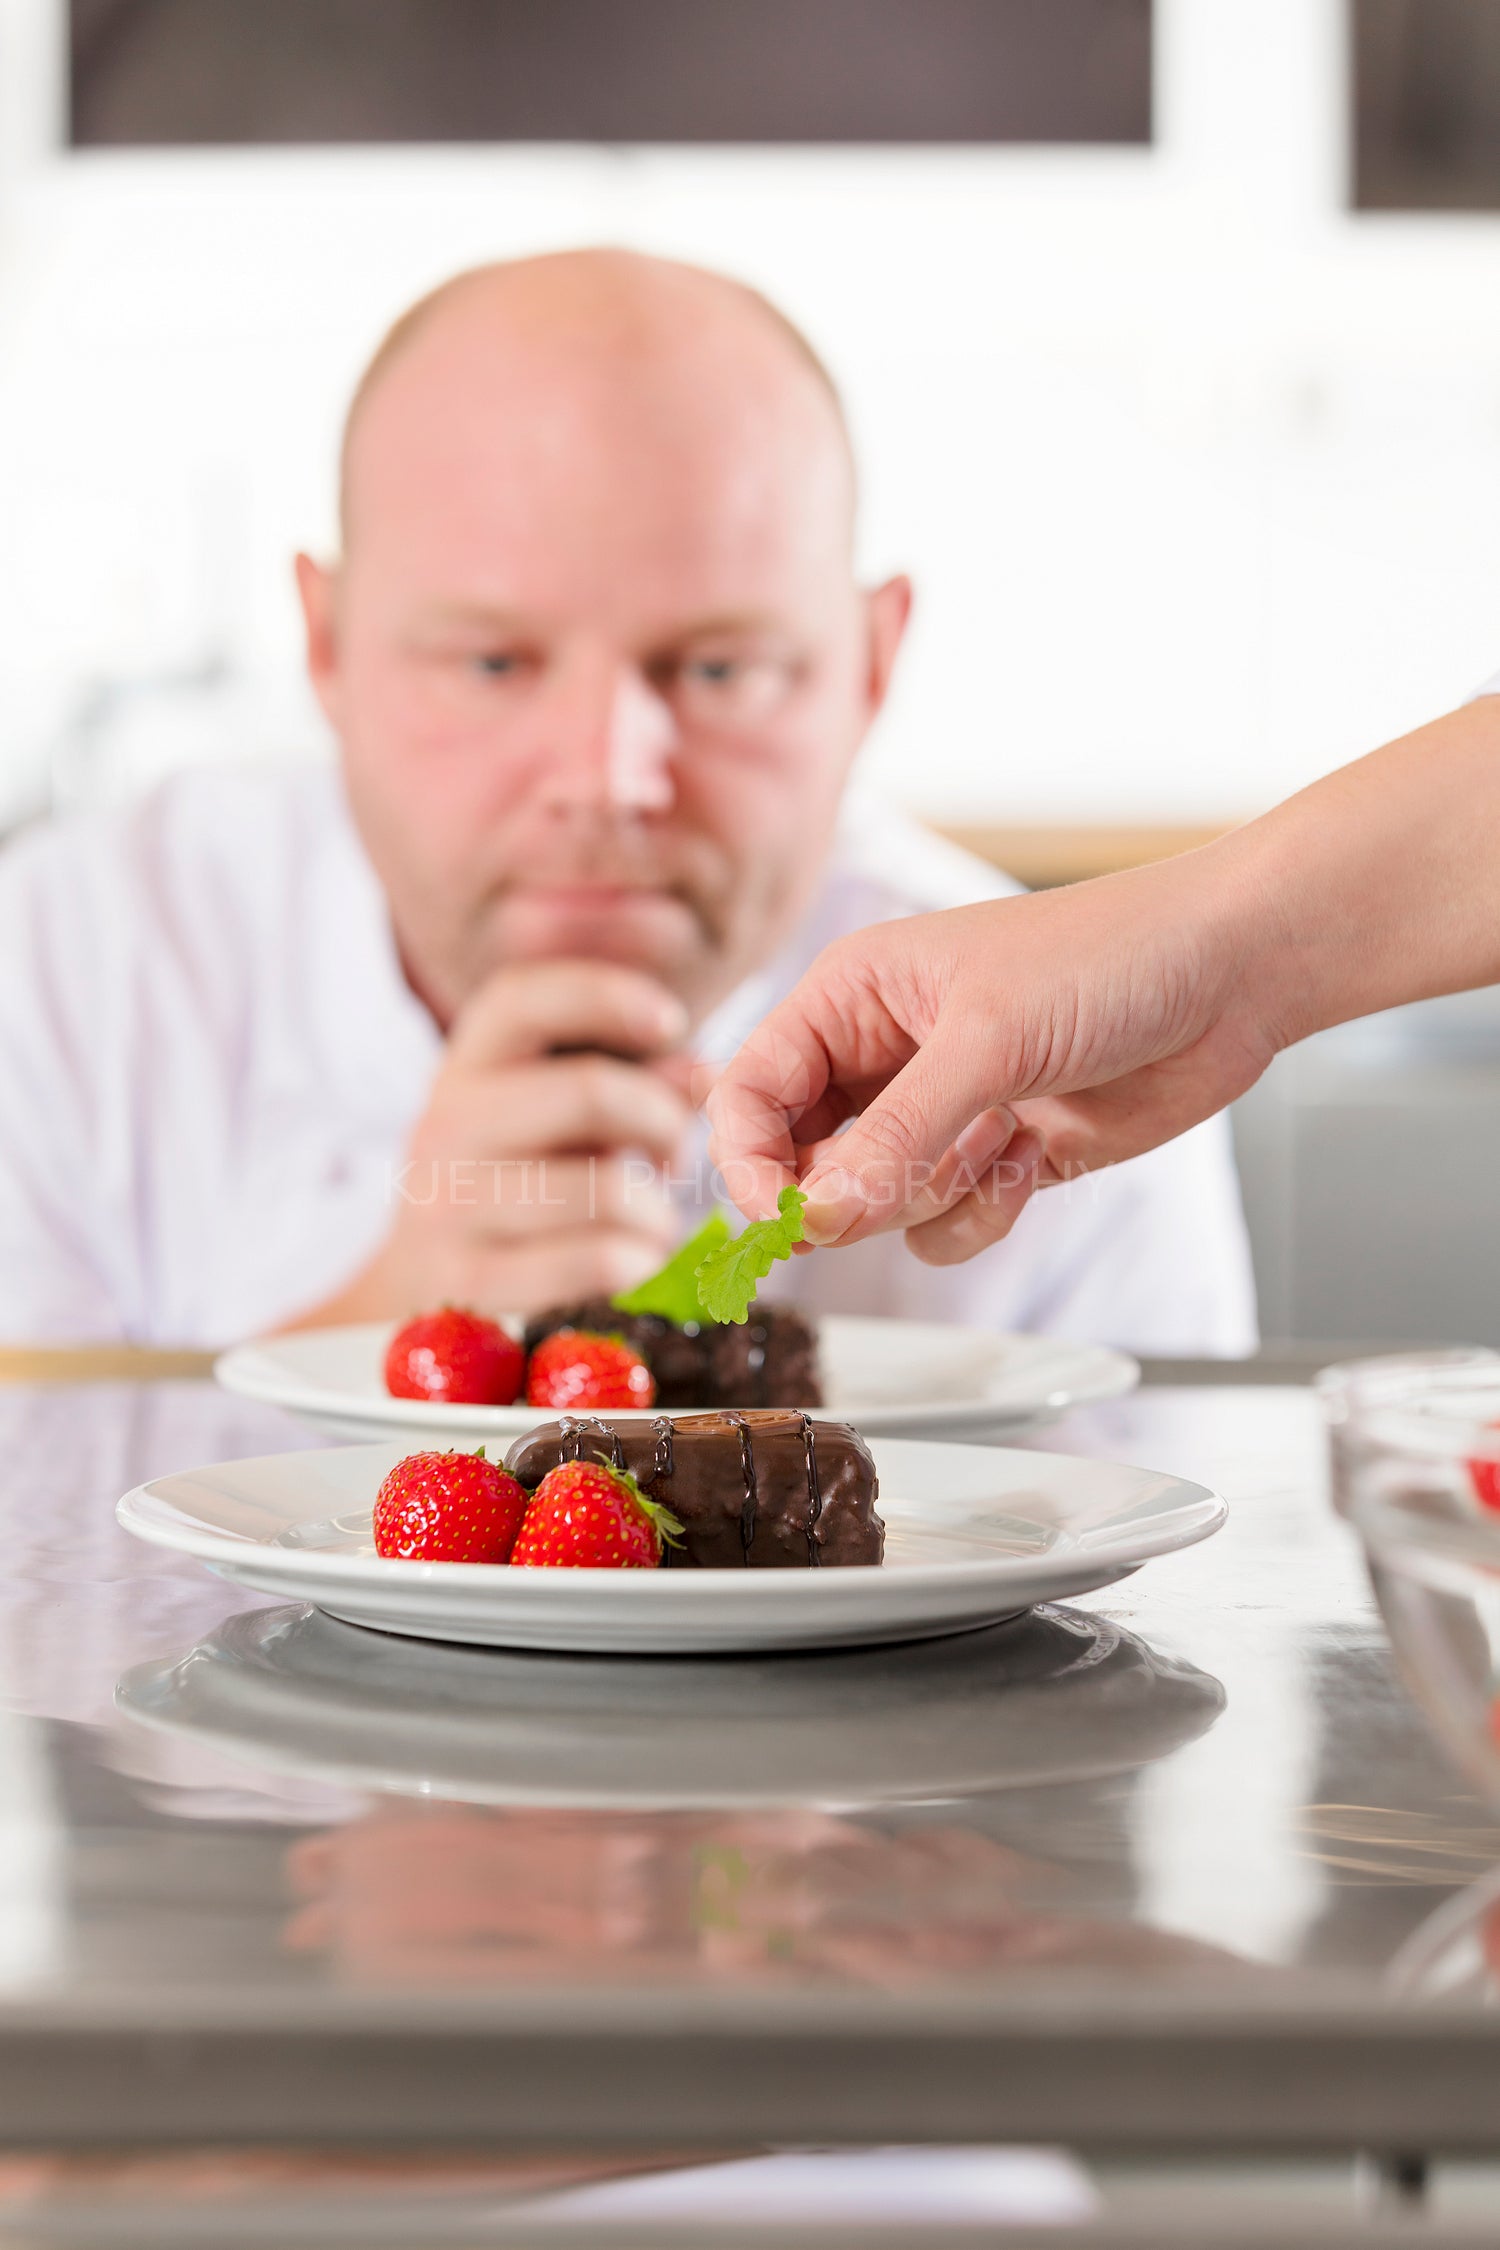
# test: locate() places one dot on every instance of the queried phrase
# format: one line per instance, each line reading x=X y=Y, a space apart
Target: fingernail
x=1027 y=1150
x=835 y=1202
x=984 y=1137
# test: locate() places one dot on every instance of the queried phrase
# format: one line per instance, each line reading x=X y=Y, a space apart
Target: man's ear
x=888 y=607
x=318 y=590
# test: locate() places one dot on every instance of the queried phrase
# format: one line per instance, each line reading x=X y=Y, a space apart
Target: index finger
x=778 y=1074
x=529 y=1008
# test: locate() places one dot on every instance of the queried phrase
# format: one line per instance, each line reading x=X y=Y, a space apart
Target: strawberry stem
x=668 y=1529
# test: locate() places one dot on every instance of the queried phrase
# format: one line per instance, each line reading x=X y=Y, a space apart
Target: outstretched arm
x=985 y=1051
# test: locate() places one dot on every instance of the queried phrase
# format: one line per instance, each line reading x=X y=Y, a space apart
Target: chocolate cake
x=768 y=1489
x=771 y=1361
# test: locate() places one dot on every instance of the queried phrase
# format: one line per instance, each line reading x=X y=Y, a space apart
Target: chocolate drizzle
x=574 y=1428
x=662 y=1468
x=752 y=1496
x=814 y=1488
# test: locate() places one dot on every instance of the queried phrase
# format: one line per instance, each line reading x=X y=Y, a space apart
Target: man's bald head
x=635 y=315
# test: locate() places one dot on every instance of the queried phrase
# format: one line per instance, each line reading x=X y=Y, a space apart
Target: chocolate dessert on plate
x=768 y=1488
x=771 y=1361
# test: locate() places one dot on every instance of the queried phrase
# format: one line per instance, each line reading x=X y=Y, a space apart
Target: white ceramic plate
x=911 y=1375
x=1056 y=1696
x=973 y=1534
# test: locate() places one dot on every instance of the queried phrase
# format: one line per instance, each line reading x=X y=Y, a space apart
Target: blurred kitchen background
x=1171 y=340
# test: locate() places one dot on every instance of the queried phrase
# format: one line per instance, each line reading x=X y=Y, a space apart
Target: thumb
x=882 y=1162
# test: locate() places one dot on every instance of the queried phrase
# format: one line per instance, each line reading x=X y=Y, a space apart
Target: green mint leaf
x=728 y=1276
x=673 y=1293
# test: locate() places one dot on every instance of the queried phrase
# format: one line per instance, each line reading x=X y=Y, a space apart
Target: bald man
x=287 y=1048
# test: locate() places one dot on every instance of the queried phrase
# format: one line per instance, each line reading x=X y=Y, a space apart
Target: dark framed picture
x=1426 y=82
x=212 y=72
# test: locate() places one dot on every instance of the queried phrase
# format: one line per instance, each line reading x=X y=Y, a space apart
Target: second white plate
x=908 y=1375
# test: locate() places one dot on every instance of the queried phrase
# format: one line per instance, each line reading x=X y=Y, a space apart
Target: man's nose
x=613 y=747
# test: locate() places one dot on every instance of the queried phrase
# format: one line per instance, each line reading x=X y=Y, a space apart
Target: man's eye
x=497 y=665
x=729 y=690
x=713 y=671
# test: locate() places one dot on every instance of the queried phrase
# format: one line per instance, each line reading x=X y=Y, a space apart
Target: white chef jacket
x=210 y=1062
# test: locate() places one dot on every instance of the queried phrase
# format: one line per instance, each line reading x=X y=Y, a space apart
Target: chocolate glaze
x=766 y=1488
x=574 y=1428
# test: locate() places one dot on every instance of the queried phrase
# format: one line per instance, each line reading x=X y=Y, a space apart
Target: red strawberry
x=1484 y=1476
x=578 y=1372
x=584 y=1516
x=448 y=1507
x=454 y=1356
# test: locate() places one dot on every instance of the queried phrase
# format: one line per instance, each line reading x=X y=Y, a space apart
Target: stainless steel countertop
x=1151 y=1871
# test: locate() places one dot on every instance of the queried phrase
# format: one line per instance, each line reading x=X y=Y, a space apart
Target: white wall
x=1199 y=475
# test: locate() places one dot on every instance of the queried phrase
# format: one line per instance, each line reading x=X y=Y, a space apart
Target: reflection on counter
x=452 y=1895
x=1455 y=1954
x=1054 y=1696
x=604 y=1868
